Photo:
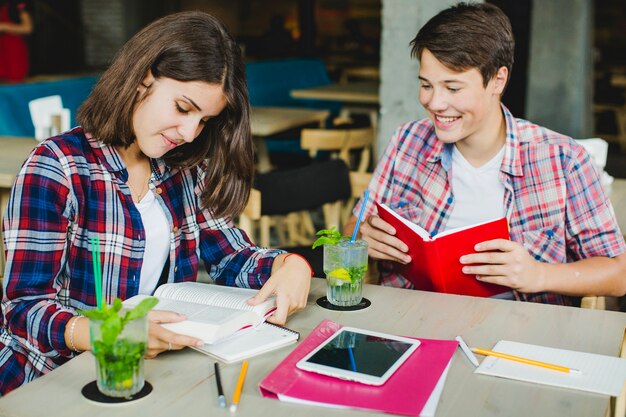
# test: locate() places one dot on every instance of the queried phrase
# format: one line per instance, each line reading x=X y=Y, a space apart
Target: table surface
x=266 y=121
x=365 y=92
x=184 y=384
x=14 y=151
x=619 y=80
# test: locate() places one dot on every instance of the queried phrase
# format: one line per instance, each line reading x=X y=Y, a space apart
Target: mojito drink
x=345 y=265
x=119 y=362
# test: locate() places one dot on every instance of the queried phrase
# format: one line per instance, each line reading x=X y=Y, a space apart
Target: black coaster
x=323 y=302
x=91 y=392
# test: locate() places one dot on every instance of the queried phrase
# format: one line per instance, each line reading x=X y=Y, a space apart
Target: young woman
x=161 y=163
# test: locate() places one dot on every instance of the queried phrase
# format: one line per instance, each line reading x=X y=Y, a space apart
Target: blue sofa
x=270 y=83
x=14 y=114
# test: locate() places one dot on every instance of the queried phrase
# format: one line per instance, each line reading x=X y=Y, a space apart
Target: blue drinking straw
x=358 y=220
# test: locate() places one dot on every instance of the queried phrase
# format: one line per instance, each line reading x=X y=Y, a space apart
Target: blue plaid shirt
x=70 y=189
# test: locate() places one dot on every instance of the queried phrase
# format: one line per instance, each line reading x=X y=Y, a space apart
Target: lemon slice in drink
x=340 y=273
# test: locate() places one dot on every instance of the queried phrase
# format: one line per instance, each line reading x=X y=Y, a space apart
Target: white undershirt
x=478 y=192
x=157 y=247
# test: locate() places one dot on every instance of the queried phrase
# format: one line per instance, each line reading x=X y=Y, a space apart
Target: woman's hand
x=290 y=282
x=160 y=339
x=381 y=240
x=507 y=263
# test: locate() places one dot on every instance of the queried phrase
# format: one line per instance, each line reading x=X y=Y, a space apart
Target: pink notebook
x=405 y=393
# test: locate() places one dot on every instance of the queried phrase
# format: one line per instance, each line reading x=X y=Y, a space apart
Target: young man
x=472 y=161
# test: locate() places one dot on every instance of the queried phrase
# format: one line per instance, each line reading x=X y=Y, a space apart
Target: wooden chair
x=340 y=142
x=289 y=192
x=343 y=144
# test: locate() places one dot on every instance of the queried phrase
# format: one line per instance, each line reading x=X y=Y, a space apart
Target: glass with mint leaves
x=119 y=339
x=345 y=265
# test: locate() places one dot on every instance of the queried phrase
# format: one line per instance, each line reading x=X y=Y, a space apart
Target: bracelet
x=301 y=257
x=72 y=327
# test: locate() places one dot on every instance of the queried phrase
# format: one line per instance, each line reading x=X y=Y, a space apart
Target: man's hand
x=381 y=240
x=507 y=263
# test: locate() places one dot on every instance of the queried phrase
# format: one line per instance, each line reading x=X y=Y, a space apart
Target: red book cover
x=435 y=262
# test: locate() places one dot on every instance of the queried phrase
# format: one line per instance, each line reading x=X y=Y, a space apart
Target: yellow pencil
x=559 y=368
x=239 y=387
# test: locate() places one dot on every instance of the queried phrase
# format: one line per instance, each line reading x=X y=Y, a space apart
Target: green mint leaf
x=141 y=309
x=323 y=240
x=330 y=236
x=117 y=305
x=94 y=314
x=110 y=328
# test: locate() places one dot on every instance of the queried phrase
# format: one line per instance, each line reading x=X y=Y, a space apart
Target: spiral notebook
x=251 y=342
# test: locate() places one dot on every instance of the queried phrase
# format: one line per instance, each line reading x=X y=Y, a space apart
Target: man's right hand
x=381 y=239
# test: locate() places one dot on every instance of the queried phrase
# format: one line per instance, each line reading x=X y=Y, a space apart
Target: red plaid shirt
x=553 y=198
x=70 y=189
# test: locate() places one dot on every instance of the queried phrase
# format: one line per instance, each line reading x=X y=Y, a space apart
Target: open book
x=435 y=262
x=213 y=311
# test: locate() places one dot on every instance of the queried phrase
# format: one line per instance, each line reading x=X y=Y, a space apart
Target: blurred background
x=81 y=36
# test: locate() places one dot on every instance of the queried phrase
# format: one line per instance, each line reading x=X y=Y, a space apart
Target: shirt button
x=450 y=200
x=175 y=269
x=159 y=190
x=550 y=233
x=175 y=229
x=139 y=236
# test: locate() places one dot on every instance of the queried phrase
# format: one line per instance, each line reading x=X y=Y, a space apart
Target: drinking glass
x=119 y=360
x=345 y=265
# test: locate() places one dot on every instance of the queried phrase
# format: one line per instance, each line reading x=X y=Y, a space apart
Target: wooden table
x=619 y=80
x=184 y=384
x=365 y=92
x=357 y=97
x=267 y=121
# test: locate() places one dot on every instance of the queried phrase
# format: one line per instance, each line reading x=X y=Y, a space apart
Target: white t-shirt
x=157 y=247
x=478 y=192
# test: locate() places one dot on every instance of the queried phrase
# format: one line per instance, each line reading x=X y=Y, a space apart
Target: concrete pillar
x=560 y=73
x=399 y=87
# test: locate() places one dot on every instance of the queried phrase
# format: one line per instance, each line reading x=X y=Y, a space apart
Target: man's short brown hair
x=468 y=35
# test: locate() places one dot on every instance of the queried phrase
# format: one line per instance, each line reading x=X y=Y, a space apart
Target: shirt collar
x=511 y=162
x=111 y=159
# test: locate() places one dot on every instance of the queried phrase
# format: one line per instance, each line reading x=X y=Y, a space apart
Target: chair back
x=48 y=116
x=303 y=188
x=341 y=141
x=292 y=192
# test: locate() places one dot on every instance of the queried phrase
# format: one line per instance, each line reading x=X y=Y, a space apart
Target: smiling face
x=461 y=108
x=173 y=113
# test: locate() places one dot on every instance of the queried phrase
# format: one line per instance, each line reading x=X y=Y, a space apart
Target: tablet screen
x=360 y=352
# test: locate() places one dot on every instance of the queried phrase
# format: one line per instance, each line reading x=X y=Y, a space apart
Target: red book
x=435 y=262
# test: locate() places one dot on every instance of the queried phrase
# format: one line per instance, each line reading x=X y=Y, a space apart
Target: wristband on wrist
x=72 y=328
x=301 y=257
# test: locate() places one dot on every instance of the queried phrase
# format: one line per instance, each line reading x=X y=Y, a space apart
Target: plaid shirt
x=71 y=188
x=553 y=198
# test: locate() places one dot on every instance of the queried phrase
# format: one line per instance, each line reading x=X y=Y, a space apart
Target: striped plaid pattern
x=554 y=201
x=71 y=189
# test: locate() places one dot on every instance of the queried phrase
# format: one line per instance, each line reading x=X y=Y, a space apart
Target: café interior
x=330 y=80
